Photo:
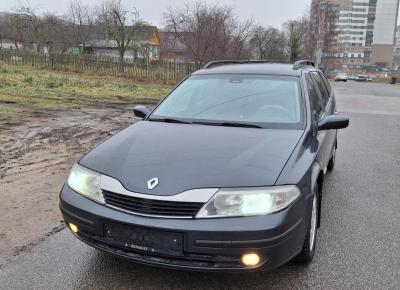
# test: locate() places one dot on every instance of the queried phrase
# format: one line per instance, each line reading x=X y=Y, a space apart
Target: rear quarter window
x=321 y=87
x=315 y=99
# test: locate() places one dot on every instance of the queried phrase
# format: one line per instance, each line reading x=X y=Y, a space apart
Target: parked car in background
x=362 y=78
x=342 y=77
x=352 y=78
x=225 y=174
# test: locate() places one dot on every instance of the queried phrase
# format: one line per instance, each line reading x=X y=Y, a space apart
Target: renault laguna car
x=225 y=174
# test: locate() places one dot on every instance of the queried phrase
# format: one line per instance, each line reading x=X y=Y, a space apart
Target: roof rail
x=221 y=62
x=264 y=61
x=302 y=63
x=228 y=62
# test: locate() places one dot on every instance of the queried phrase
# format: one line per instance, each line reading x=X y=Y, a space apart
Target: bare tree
x=82 y=21
x=294 y=33
x=3 y=28
x=11 y=30
x=323 y=28
x=120 y=25
x=307 y=37
x=58 y=36
x=239 y=44
x=269 y=43
x=314 y=37
x=209 y=31
x=31 y=25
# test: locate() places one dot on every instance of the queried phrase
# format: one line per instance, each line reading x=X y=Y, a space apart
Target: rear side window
x=315 y=99
x=321 y=87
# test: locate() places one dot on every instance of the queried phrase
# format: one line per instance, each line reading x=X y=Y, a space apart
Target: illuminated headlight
x=85 y=182
x=249 y=202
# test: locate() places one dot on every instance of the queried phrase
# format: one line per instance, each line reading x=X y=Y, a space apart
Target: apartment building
x=397 y=42
x=364 y=32
x=384 y=32
x=396 y=58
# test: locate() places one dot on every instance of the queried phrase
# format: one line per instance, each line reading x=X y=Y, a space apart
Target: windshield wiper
x=236 y=124
x=223 y=124
x=229 y=124
x=169 y=120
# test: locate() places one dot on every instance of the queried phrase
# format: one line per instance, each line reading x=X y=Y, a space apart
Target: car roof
x=254 y=68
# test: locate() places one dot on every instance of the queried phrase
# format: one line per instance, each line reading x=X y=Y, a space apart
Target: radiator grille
x=151 y=207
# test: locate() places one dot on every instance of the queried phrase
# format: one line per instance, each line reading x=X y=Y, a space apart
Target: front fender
x=316 y=170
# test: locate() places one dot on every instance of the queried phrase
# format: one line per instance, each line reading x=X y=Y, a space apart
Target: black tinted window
x=315 y=100
x=322 y=88
x=327 y=84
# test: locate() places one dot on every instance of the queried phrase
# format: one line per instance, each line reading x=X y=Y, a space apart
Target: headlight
x=85 y=182
x=249 y=201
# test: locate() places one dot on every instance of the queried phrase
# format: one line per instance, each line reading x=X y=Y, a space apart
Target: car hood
x=185 y=156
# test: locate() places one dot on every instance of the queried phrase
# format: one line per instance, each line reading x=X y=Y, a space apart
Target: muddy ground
x=35 y=158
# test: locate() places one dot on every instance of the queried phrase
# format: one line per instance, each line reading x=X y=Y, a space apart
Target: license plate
x=144 y=240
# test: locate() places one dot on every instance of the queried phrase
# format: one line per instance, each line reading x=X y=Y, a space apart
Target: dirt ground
x=35 y=158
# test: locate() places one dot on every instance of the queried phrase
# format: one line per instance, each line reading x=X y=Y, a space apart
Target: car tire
x=307 y=253
x=332 y=161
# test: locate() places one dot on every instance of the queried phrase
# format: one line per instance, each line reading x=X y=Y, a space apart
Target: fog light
x=73 y=228
x=250 y=260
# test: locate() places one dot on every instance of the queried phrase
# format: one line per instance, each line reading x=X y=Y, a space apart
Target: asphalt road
x=358 y=244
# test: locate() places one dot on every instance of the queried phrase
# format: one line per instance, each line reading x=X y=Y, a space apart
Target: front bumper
x=208 y=244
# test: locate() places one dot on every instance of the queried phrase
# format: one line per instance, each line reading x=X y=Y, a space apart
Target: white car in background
x=342 y=77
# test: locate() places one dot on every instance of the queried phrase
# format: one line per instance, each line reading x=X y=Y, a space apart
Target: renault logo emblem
x=152 y=183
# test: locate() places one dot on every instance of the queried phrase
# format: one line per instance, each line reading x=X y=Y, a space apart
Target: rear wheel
x=307 y=253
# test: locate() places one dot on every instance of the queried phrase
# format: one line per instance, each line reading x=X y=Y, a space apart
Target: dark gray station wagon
x=225 y=174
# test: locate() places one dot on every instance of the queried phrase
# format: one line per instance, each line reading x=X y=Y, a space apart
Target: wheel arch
x=317 y=183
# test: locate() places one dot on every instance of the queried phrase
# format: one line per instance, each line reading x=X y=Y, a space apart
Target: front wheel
x=307 y=253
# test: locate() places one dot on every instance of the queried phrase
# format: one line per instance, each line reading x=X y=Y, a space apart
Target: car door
x=331 y=110
x=317 y=113
x=327 y=138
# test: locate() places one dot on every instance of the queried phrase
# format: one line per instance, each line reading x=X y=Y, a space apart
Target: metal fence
x=140 y=68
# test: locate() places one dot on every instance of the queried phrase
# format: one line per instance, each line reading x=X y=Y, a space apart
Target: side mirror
x=333 y=122
x=141 y=111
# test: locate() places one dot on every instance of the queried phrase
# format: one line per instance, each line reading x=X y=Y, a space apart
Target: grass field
x=25 y=91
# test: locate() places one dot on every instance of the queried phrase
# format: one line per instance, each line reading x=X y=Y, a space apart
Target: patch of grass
x=380 y=80
x=53 y=83
x=24 y=90
x=28 y=79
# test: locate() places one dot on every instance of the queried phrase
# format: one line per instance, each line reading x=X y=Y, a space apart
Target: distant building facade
x=173 y=48
x=145 y=46
x=397 y=42
x=8 y=44
x=396 y=58
x=365 y=32
x=384 y=32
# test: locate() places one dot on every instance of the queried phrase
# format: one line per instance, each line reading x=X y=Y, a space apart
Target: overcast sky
x=268 y=12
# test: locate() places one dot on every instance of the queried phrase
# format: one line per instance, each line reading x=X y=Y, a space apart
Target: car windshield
x=268 y=101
